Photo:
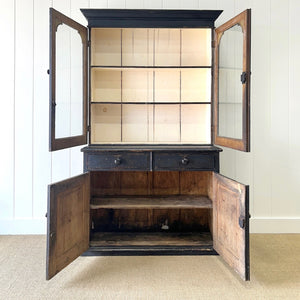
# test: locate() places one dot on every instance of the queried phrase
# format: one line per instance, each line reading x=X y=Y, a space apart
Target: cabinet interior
x=150 y=85
x=151 y=208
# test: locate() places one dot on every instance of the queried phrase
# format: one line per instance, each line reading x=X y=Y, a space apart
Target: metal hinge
x=89 y=43
x=243 y=77
x=213 y=44
x=89 y=128
x=242 y=222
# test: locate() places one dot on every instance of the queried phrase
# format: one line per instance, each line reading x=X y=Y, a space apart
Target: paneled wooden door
x=67 y=222
x=231 y=223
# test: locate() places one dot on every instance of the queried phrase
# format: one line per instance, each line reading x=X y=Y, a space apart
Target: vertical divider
x=212 y=93
x=180 y=62
x=148 y=106
x=150 y=192
x=179 y=183
x=153 y=94
x=121 y=85
x=89 y=87
x=150 y=181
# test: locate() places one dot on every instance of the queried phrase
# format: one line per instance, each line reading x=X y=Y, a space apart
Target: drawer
x=106 y=161
x=181 y=161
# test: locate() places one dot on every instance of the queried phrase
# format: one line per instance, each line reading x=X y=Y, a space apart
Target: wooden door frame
x=244 y=20
x=56 y=19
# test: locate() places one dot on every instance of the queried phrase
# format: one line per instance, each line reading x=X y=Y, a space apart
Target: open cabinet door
x=68 y=82
x=67 y=222
x=231 y=223
x=231 y=112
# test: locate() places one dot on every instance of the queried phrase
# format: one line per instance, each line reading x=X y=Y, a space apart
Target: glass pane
x=68 y=82
x=230 y=106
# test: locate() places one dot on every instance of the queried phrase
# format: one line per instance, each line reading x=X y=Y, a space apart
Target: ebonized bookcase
x=151 y=92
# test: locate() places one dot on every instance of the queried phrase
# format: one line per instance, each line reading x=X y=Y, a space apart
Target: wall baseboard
x=257 y=225
x=23 y=226
x=274 y=225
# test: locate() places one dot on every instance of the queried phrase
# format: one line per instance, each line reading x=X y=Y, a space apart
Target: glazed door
x=68 y=82
x=67 y=222
x=231 y=112
x=231 y=223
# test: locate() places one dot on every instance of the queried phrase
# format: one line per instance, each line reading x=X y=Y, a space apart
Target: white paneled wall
x=272 y=168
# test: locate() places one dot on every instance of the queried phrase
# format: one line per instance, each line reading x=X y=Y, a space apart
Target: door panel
x=231 y=112
x=67 y=222
x=231 y=223
x=68 y=82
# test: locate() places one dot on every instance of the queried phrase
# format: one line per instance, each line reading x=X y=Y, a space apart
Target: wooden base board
x=158 y=243
x=145 y=251
x=101 y=239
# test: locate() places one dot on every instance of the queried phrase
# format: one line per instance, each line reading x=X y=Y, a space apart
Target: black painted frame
x=152 y=18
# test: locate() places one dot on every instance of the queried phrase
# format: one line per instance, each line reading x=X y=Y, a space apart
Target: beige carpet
x=275 y=274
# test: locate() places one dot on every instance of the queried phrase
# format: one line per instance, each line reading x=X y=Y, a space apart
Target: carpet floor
x=275 y=273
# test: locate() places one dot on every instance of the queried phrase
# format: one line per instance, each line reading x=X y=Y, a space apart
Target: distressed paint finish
x=99 y=159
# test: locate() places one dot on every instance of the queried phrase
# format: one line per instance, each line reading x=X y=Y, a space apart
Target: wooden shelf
x=151 y=202
x=152 y=103
x=231 y=68
x=149 y=67
x=102 y=239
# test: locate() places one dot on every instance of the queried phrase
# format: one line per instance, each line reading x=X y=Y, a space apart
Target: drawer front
x=117 y=161
x=185 y=161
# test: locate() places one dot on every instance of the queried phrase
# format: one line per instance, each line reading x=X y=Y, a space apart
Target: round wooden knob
x=117 y=161
x=185 y=161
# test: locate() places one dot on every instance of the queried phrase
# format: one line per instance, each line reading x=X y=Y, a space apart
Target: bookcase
x=152 y=92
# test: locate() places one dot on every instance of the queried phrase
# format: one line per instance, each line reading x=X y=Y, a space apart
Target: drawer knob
x=117 y=161
x=185 y=161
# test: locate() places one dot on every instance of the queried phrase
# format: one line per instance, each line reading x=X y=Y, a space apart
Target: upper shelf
x=154 y=103
x=149 y=67
x=150 y=18
x=158 y=47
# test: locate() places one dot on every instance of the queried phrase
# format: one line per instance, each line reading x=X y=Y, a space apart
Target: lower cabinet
x=148 y=213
